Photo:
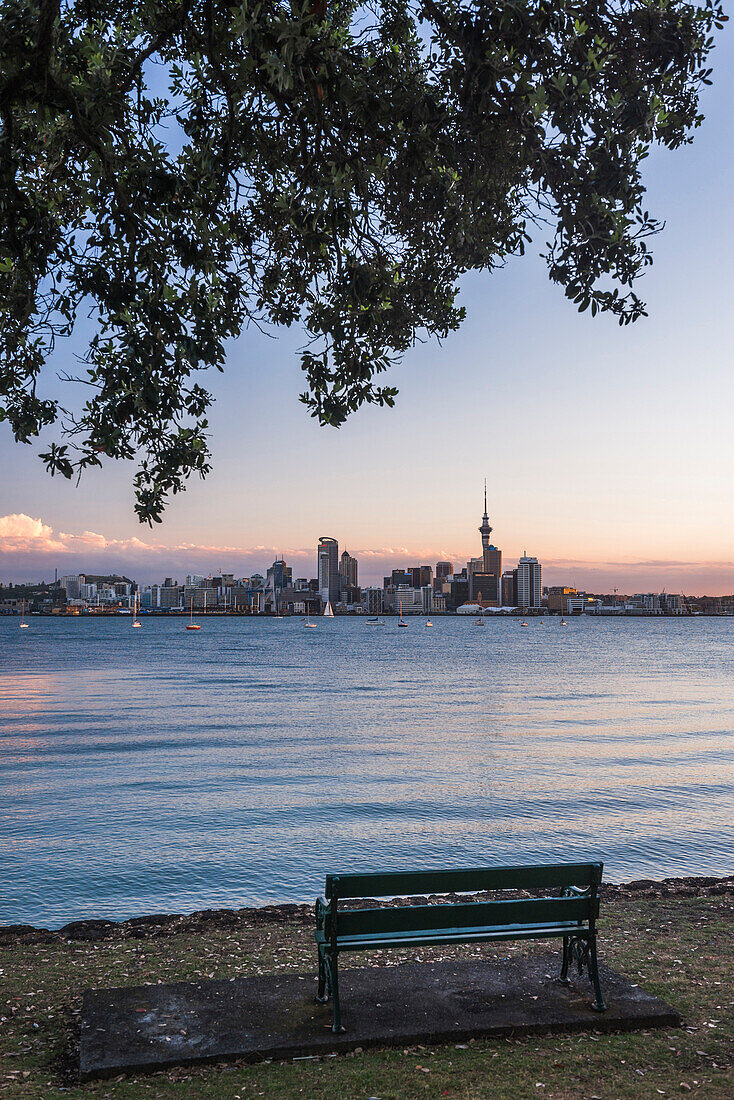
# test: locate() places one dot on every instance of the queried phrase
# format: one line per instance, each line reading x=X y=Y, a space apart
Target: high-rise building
x=443 y=569
x=347 y=575
x=529 y=585
x=509 y=588
x=73 y=585
x=400 y=576
x=421 y=575
x=328 y=562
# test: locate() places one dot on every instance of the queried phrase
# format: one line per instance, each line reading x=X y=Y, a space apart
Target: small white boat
x=307 y=624
x=23 y=624
x=428 y=622
x=479 y=622
x=328 y=610
x=523 y=623
x=136 y=604
x=563 y=622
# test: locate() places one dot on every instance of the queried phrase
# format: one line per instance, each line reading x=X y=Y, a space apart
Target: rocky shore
x=172 y=924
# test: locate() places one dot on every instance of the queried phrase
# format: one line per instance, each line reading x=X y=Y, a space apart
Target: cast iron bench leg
x=563 y=977
x=322 y=996
x=334 y=970
x=598 y=1003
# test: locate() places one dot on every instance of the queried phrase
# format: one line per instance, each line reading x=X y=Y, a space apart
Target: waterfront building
x=456 y=591
x=509 y=588
x=558 y=595
x=400 y=576
x=372 y=600
x=328 y=569
x=405 y=595
x=194 y=580
x=484 y=588
x=529 y=584
x=348 y=570
x=72 y=585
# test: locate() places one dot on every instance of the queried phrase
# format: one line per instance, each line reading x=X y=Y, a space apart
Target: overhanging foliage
x=185 y=168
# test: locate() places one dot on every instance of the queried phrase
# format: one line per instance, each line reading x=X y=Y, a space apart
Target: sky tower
x=485 y=531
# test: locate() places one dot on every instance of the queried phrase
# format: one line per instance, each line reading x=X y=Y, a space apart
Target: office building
x=73 y=585
x=443 y=569
x=348 y=569
x=328 y=570
x=509 y=588
x=529 y=586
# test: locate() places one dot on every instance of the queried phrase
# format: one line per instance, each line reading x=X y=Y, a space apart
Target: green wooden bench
x=569 y=914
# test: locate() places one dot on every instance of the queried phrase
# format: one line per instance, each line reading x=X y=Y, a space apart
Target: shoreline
x=171 y=924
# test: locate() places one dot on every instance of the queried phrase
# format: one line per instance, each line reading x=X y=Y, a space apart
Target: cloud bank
x=30 y=550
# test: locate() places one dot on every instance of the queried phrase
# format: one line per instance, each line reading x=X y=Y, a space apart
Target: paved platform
x=274 y=1015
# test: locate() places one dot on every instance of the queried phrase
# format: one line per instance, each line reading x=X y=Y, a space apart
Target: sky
x=608 y=452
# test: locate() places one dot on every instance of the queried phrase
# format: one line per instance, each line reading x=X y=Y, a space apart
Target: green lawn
x=679 y=948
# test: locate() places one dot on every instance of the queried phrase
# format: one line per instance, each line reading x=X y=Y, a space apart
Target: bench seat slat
x=464 y=880
x=420 y=937
x=412 y=918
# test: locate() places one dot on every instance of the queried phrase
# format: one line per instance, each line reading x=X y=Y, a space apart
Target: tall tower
x=485 y=531
x=328 y=563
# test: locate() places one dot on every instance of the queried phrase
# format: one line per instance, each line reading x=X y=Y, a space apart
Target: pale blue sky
x=601 y=445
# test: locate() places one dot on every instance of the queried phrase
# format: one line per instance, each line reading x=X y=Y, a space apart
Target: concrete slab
x=274 y=1016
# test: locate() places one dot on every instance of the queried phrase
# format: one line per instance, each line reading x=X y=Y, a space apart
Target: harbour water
x=156 y=770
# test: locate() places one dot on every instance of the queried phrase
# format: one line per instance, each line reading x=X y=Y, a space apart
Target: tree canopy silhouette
x=179 y=169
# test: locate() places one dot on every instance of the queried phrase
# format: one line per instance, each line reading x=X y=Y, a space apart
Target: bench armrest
x=323 y=909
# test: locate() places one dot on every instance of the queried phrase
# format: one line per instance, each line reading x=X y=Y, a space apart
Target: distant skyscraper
x=443 y=569
x=328 y=559
x=401 y=576
x=347 y=576
x=509 y=588
x=529 y=586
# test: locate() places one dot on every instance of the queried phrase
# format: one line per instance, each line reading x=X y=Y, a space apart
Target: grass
x=681 y=949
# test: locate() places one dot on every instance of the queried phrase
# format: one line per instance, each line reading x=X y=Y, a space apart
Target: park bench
x=570 y=913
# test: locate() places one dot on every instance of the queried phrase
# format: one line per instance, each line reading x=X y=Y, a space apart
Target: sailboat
x=23 y=624
x=136 y=604
x=401 y=620
x=428 y=622
x=307 y=624
x=563 y=621
x=191 y=625
x=328 y=610
x=376 y=621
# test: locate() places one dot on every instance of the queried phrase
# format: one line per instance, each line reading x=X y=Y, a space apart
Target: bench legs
x=563 y=977
x=598 y=1003
x=329 y=987
x=322 y=996
x=583 y=948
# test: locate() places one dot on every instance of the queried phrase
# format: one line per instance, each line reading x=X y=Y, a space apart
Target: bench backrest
x=461 y=915
x=467 y=880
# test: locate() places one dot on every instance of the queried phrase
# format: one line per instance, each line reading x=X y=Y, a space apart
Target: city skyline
x=31 y=550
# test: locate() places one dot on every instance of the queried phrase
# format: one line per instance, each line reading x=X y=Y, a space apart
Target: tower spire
x=485 y=531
